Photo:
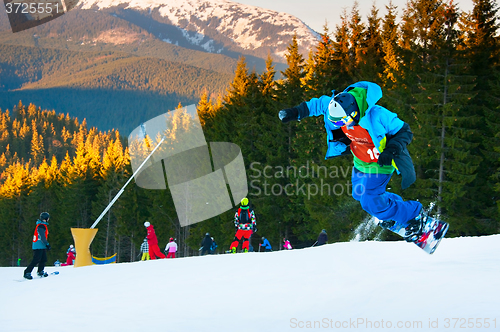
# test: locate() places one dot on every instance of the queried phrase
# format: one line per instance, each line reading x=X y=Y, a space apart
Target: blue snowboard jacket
x=380 y=123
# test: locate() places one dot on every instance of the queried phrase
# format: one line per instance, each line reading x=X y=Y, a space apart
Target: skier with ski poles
x=377 y=139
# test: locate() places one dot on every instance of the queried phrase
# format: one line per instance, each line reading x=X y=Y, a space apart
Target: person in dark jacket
x=322 y=238
x=377 y=140
x=40 y=246
x=206 y=244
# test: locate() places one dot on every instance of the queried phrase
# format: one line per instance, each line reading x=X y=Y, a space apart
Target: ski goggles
x=340 y=122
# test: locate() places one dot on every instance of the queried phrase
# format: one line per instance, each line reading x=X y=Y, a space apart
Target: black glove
x=395 y=145
x=386 y=157
x=288 y=114
x=295 y=113
x=48 y=246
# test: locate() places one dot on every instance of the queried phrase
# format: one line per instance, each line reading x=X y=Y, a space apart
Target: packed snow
x=348 y=286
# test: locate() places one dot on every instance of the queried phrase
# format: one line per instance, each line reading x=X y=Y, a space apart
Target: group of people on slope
x=246 y=226
x=150 y=248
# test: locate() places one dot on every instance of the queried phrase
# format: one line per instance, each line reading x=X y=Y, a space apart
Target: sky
x=315 y=13
x=349 y=286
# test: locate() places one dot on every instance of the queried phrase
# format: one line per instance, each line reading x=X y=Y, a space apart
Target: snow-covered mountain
x=215 y=26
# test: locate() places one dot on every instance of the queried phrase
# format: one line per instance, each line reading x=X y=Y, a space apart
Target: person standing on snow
x=377 y=139
x=244 y=221
x=40 y=246
x=322 y=238
x=206 y=244
x=171 y=248
x=145 y=250
x=154 y=250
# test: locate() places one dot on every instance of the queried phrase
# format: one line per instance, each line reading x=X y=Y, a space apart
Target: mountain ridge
x=200 y=22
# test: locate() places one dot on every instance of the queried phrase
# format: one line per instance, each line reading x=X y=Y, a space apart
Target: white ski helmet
x=341 y=107
x=147 y=224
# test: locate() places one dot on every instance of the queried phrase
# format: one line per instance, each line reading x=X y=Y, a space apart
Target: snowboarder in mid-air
x=377 y=139
x=40 y=246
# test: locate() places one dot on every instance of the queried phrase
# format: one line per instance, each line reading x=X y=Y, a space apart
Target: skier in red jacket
x=154 y=250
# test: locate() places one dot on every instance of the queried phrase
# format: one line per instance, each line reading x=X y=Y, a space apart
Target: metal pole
x=123 y=188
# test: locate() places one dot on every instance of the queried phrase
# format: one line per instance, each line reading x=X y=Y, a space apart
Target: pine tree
x=389 y=42
x=443 y=132
x=482 y=51
x=372 y=56
x=37 y=148
x=357 y=43
x=342 y=52
x=321 y=71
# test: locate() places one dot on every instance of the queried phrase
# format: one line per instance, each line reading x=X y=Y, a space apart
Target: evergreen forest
x=439 y=69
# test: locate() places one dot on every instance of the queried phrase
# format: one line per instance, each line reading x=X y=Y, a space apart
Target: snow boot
x=42 y=274
x=27 y=276
x=415 y=227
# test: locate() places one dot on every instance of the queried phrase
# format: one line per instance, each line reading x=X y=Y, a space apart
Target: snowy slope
x=357 y=285
x=200 y=21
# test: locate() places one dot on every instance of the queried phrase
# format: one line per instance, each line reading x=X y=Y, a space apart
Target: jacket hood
x=365 y=99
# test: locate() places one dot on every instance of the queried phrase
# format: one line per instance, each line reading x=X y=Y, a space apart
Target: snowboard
x=433 y=232
x=37 y=277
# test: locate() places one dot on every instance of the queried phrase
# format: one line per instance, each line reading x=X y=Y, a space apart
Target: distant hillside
x=134 y=31
x=123 y=37
x=135 y=60
x=95 y=85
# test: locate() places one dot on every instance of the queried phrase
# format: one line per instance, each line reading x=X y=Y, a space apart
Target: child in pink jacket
x=171 y=248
